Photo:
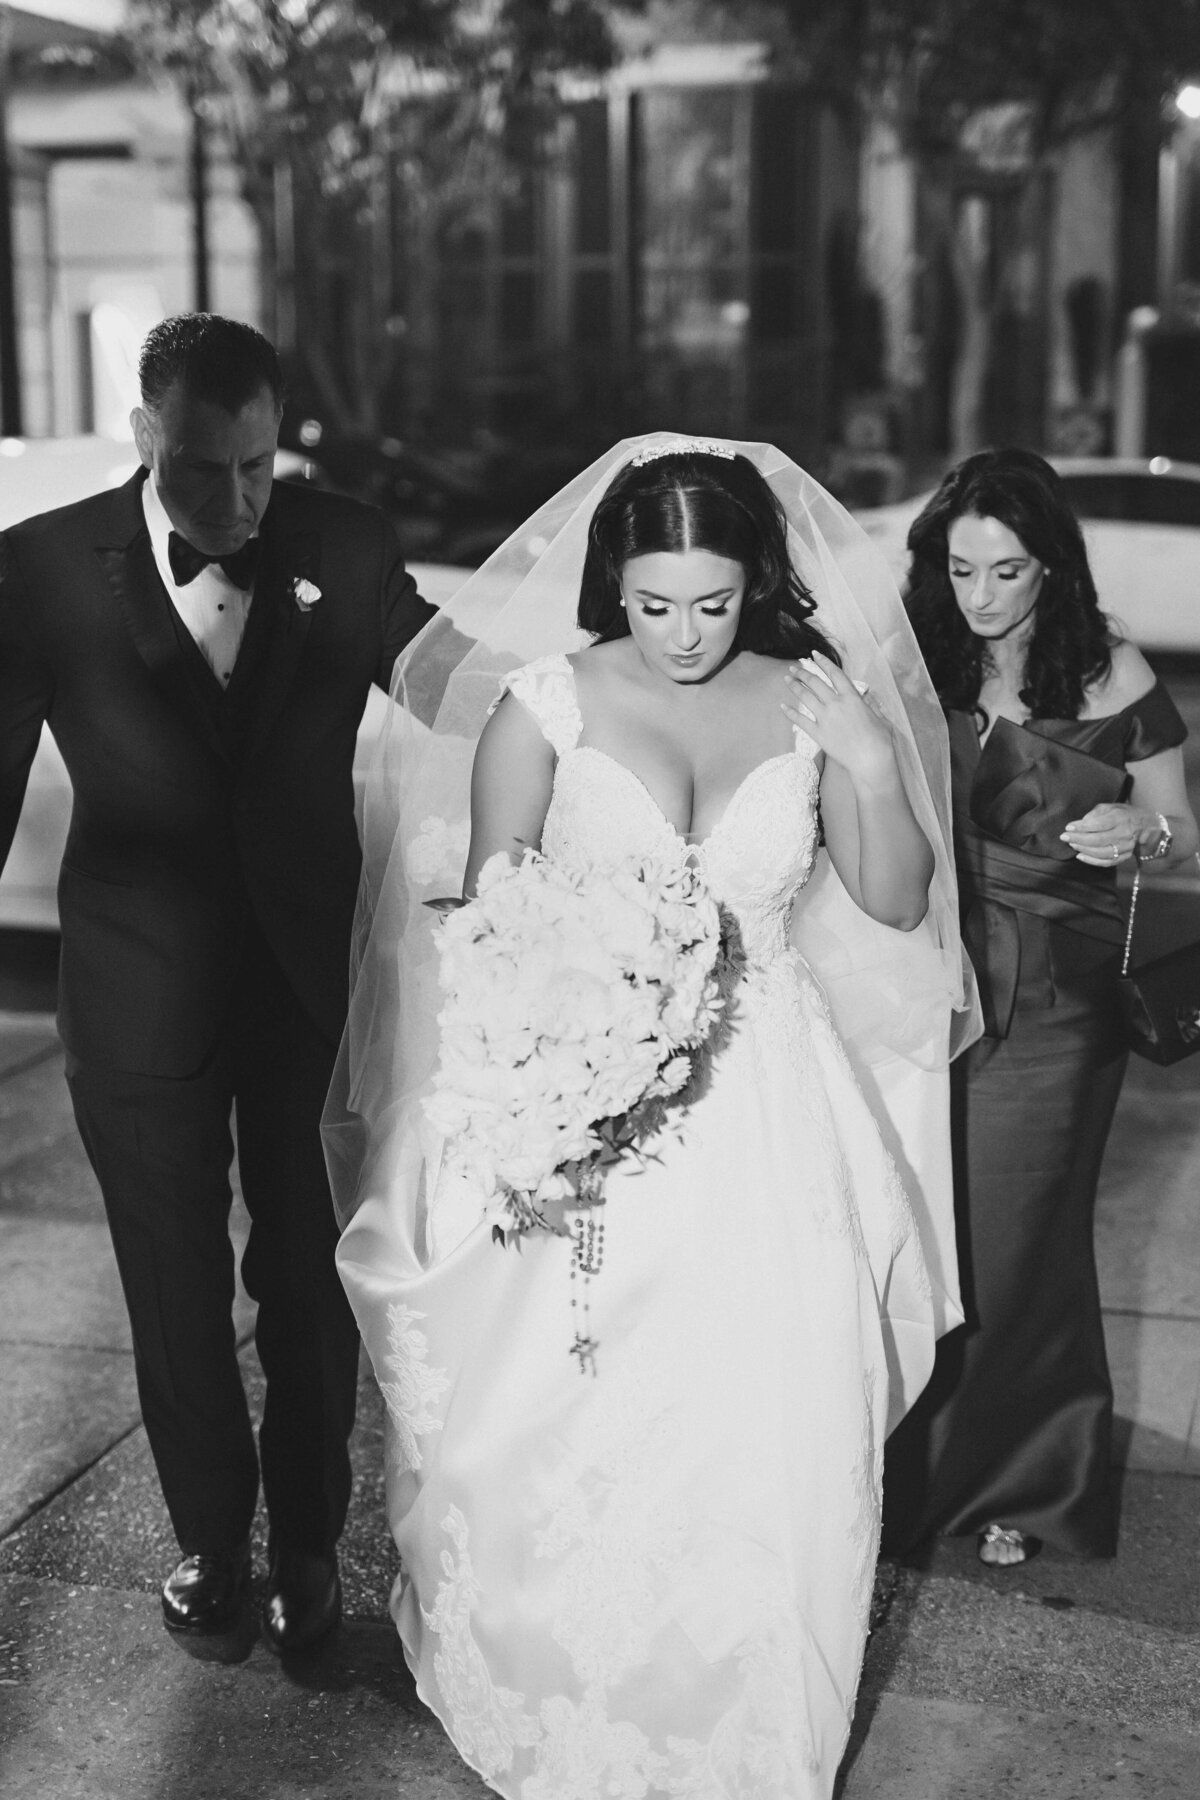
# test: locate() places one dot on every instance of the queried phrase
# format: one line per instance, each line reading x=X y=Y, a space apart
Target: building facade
x=104 y=229
x=708 y=245
x=677 y=259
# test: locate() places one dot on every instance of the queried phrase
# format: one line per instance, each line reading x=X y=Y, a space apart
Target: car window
x=1141 y=499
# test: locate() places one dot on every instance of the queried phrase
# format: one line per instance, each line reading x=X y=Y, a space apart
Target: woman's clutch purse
x=1160 y=999
x=1028 y=787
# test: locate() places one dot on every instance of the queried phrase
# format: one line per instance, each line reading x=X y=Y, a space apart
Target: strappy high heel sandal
x=1004 y=1547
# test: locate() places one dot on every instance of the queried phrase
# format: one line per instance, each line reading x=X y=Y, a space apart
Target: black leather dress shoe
x=303 y=1602
x=205 y=1594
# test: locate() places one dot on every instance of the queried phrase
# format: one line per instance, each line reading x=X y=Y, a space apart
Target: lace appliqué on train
x=489 y=1721
x=622 y=1555
x=619 y=1544
x=411 y=1397
x=765 y=1738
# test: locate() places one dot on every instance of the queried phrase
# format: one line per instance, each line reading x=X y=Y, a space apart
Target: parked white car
x=35 y=475
x=1141 y=520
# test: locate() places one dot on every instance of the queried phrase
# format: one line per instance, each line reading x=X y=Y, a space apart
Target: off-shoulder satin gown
x=656 y=1581
x=1016 y=1425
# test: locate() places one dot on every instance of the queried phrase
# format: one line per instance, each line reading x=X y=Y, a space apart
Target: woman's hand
x=826 y=704
x=1109 y=833
x=880 y=853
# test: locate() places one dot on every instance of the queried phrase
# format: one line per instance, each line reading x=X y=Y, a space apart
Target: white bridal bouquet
x=575 y=1006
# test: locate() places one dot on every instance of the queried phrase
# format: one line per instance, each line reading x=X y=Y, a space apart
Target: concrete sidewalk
x=1060 y=1679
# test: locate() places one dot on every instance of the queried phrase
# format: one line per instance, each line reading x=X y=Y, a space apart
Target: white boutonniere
x=305 y=593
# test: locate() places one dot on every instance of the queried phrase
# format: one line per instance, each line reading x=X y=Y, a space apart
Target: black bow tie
x=187 y=562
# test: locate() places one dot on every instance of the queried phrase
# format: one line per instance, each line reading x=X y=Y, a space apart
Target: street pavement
x=1061 y=1679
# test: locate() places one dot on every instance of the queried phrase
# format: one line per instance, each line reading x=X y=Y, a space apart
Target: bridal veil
x=904 y=1002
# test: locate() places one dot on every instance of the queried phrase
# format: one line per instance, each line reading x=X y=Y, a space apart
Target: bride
x=656 y=1582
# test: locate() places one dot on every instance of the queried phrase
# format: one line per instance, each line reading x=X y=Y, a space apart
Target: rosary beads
x=587 y=1258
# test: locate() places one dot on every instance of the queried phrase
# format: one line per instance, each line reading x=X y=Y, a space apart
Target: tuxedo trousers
x=162 y=1150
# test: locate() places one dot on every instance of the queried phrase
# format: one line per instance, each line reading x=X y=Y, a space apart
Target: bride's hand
x=826 y=704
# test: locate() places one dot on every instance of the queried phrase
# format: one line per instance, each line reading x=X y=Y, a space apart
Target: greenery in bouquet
x=577 y=1004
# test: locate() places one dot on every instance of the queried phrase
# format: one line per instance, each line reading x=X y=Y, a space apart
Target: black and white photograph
x=599 y=899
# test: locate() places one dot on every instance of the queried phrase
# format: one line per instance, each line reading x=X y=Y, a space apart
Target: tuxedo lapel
x=145 y=606
x=287 y=558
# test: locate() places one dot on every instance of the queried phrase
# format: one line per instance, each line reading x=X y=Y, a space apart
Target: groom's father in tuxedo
x=201 y=642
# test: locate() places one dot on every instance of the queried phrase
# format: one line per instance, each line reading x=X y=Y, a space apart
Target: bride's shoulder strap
x=546 y=688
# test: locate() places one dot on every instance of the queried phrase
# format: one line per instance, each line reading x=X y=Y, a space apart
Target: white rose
x=439 y=847
x=575 y=1005
x=626 y=930
x=674 y=1073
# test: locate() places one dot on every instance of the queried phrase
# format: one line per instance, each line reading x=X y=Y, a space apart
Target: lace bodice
x=754 y=859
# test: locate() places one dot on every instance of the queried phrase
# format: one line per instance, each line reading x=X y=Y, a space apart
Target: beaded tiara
x=683 y=446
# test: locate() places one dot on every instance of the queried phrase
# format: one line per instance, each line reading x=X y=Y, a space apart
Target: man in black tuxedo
x=201 y=642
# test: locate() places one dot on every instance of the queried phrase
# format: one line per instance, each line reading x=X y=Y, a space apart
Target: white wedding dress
x=656 y=1581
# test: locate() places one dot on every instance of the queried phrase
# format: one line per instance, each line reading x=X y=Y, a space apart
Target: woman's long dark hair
x=1071 y=645
x=691 y=500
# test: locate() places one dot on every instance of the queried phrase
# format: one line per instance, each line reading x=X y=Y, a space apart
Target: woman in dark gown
x=1065 y=764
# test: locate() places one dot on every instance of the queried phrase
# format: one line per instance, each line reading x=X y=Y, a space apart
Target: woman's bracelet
x=1163 y=844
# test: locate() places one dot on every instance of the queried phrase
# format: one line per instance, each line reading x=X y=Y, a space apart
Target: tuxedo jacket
x=196 y=810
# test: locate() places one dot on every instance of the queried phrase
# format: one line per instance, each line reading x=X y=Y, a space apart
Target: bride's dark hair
x=690 y=500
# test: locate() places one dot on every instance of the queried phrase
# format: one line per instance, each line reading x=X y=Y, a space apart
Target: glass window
x=776 y=197
x=775 y=302
x=592 y=229
x=518 y=223
x=687 y=197
x=518 y=306
x=689 y=202
x=593 y=306
x=1187 y=151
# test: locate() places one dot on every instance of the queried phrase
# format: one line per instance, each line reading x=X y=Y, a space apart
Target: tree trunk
x=971 y=264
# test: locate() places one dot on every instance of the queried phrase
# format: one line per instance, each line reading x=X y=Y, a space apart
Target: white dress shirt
x=212 y=608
